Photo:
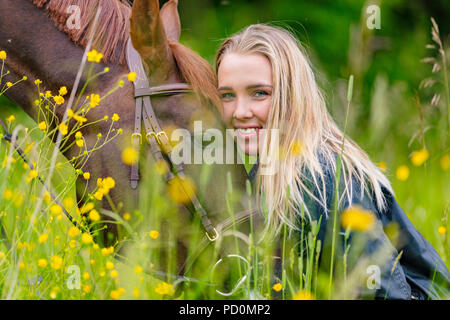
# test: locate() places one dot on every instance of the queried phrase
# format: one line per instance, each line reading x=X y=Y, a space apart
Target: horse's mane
x=112 y=35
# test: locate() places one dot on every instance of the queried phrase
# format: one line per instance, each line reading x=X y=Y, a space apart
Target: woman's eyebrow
x=258 y=85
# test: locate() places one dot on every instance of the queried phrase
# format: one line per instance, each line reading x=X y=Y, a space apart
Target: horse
x=41 y=45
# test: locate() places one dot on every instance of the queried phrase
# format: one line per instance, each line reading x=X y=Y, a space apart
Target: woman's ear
x=171 y=20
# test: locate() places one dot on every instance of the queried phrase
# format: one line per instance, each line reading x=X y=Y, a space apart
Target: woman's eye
x=260 y=93
x=226 y=95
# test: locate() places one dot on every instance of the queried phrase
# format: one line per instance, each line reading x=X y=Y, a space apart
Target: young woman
x=265 y=82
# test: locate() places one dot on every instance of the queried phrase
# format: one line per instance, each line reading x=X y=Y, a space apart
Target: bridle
x=158 y=140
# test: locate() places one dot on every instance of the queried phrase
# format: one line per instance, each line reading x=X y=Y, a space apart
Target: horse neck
x=38 y=50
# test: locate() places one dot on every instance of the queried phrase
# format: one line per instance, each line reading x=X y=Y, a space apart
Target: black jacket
x=419 y=274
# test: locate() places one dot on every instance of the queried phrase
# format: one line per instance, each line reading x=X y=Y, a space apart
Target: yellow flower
x=48 y=94
x=86 y=275
x=383 y=166
x=86 y=238
x=357 y=218
x=277 y=287
x=2 y=55
x=154 y=234
x=129 y=156
x=138 y=270
x=86 y=175
x=109 y=265
x=442 y=230
x=63 y=128
x=98 y=195
x=132 y=76
x=164 y=288
x=63 y=91
x=86 y=288
x=109 y=183
x=445 y=162
x=419 y=157
x=11 y=118
x=74 y=231
x=94 y=100
x=42 y=263
x=303 y=295
x=402 y=173
x=42 y=125
x=106 y=69
x=54 y=292
x=9 y=84
x=107 y=251
x=33 y=174
x=136 y=293
x=80 y=119
x=43 y=237
x=113 y=273
x=21 y=265
x=181 y=189
x=72 y=243
x=94 y=215
x=116 y=294
x=70 y=113
x=7 y=194
x=37 y=82
x=58 y=100
x=115 y=117
x=94 y=56
x=2 y=254
x=297 y=148
x=126 y=216
x=79 y=143
x=56 y=209
x=56 y=262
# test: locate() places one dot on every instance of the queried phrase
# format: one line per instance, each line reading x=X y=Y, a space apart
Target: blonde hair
x=299 y=109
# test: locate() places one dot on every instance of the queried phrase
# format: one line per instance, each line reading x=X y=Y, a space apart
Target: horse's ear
x=171 y=20
x=149 y=38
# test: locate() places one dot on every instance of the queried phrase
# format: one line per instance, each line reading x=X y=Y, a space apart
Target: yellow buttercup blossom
x=58 y=100
x=42 y=263
x=419 y=157
x=129 y=156
x=86 y=238
x=87 y=207
x=94 y=56
x=86 y=175
x=138 y=269
x=136 y=293
x=303 y=295
x=115 y=117
x=164 y=288
x=2 y=55
x=7 y=194
x=56 y=209
x=445 y=162
x=74 y=231
x=154 y=234
x=113 y=273
x=357 y=218
x=79 y=143
x=42 y=125
x=63 y=91
x=87 y=288
x=402 y=173
x=109 y=265
x=11 y=118
x=277 y=287
x=109 y=183
x=98 y=195
x=9 y=84
x=56 y=262
x=94 y=215
x=94 y=100
x=72 y=243
x=107 y=251
x=48 y=94
x=37 y=82
x=33 y=174
x=43 y=237
x=126 y=216
x=2 y=254
x=116 y=294
x=442 y=230
x=132 y=76
x=86 y=275
x=63 y=128
x=181 y=189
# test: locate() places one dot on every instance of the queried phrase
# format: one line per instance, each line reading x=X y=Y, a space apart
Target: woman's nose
x=243 y=110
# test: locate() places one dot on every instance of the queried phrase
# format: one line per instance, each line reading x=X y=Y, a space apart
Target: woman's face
x=245 y=87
